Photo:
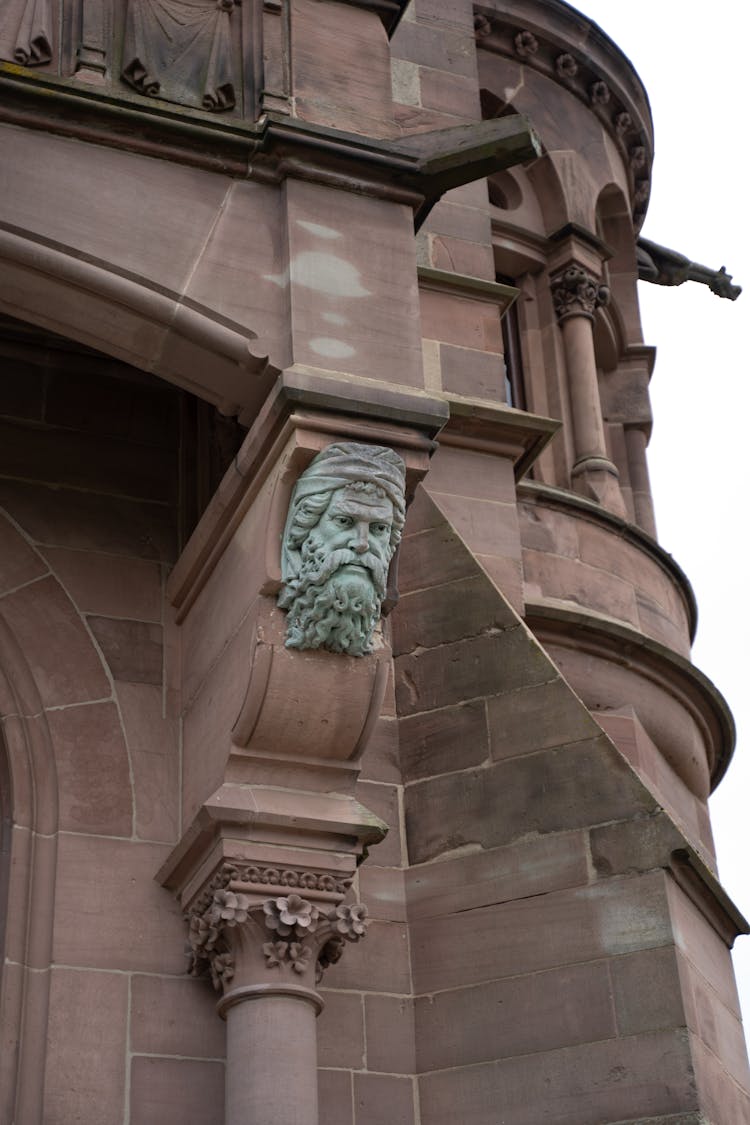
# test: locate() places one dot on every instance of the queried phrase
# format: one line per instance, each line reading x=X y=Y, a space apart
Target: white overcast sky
x=693 y=62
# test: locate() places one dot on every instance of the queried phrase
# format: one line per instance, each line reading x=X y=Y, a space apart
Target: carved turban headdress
x=348 y=462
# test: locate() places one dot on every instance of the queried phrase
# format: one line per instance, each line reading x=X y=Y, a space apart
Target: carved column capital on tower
x=260 y=931
x=577 y=292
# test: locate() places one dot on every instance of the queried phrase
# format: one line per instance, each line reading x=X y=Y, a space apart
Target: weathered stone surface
x=133 y=649
x=335 y=1097
x=594 y=1082
x=522 y=1016
x=450 y=738
x=109 y=586
x=535 y=793
x=447 y=613
x=383 y=1099
x=529 y=867
x=93 y=768
x=111 y=914
x=64 y=662
x=86 y=1063
x=174 y=1091
x=389 y=1023
x=504 y=940
x=469 y=669
x=535 y=718
x=341 y=1041
x=175 y=1016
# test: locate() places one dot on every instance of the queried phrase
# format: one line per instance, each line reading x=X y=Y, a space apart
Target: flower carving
x=229 y=907
x=526 y=44
x=222 y=969
x=349 y=921
x=637 y=156
x=203 y=934
x=599 y=93
x=300 y=956
x=566 y=66
x=275 y=952
x=291 y=915
x=623 y=121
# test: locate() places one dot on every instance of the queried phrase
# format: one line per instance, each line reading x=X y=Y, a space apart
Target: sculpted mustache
x=343 y=557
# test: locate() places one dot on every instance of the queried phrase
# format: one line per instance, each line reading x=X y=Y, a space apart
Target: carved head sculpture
x=344 y=524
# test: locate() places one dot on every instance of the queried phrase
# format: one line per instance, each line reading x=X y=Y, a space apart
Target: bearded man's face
x=334 y=602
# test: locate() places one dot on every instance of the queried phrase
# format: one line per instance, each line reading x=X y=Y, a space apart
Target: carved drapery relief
x=298 y=937
x=344 y=523
x=26 y=32
x=576 y=292
x=180 y=51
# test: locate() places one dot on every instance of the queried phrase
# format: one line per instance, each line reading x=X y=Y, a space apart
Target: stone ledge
x=562 y=498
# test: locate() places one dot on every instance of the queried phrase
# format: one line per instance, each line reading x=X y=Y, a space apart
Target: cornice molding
x=576 y=54
x=589 y=632
x=415 y=170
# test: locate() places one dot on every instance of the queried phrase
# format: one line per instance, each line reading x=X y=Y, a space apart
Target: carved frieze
x=181 y=51
x=344 y=523
x=576 y=292
x=26 y=35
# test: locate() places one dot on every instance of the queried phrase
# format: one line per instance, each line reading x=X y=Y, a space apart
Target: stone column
x=266 y=935
x=577 y=294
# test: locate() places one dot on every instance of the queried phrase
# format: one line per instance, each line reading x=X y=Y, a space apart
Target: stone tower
x=335 y=640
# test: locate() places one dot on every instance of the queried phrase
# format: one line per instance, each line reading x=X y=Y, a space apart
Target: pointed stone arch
x=30 y=772
x=30 y=597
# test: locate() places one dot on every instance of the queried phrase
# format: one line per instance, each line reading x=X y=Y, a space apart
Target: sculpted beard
x=328 y=609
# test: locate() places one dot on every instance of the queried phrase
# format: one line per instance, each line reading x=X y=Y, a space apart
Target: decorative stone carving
x=638 y=157
x=26 y=32
x=599 y=93
x=641 y=192
x=345 y=520
x=291 y=933
x=526 y=44
x=622 y=122
x=566 y=66
x=482 y=26
x=662 y=266
x=575 y=292
x=180 y=51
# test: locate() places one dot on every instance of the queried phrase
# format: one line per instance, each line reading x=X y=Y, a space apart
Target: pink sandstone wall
x=547 y=941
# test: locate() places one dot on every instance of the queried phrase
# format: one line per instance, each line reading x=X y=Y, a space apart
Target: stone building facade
x=393 y=252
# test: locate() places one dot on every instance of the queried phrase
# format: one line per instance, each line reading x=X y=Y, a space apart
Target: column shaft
x=585 y=405
x=271 y=1075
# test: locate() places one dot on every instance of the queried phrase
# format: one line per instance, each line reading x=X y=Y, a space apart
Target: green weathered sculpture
x=345 y=520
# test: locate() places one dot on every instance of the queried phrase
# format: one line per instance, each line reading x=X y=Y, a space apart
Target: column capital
x=577 y=292
x=261 y=931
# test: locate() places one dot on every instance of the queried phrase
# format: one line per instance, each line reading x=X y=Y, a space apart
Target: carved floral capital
x=280 y=937
x=576 y=292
